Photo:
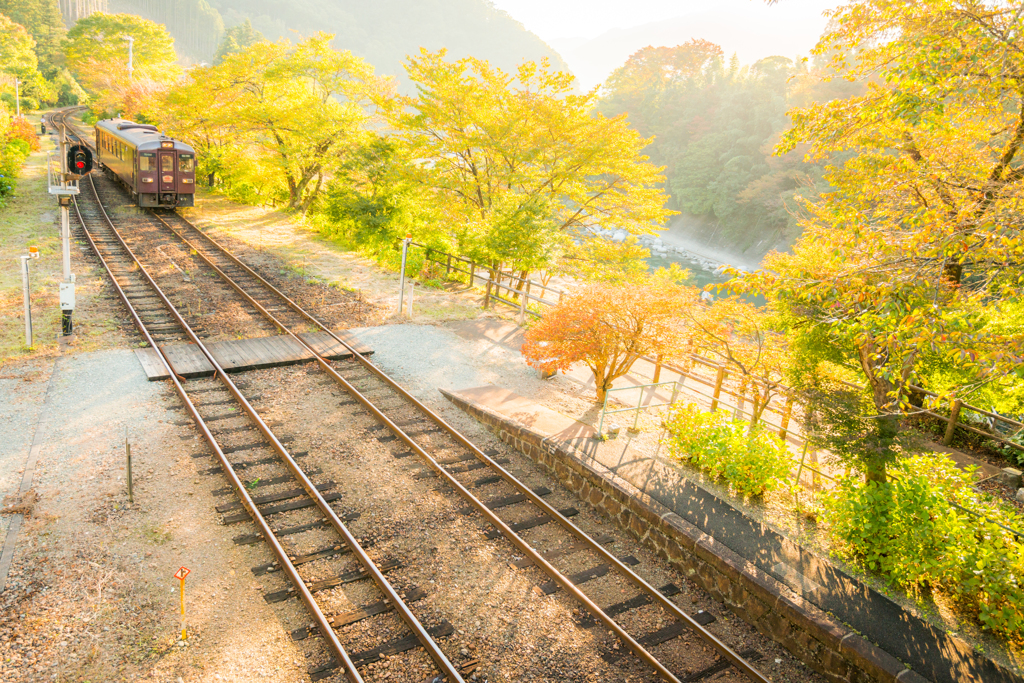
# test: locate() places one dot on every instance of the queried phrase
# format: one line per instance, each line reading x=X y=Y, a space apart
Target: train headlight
x=187 y=181
x=147 y=180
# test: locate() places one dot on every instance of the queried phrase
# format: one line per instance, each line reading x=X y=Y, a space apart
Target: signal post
x=75 y=163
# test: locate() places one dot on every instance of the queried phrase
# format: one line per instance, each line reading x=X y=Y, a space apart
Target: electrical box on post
x=67 y=296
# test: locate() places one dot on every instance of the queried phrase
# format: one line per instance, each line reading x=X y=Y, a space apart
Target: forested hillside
x=385 y=32
x=715 y=124
x=195 y=26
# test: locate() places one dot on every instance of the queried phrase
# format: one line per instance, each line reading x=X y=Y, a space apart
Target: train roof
x=140 y=135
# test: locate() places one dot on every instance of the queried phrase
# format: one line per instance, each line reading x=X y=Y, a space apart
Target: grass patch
x=30 y=218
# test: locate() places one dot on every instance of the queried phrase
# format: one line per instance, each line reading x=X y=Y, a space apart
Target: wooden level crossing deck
x=246 y=354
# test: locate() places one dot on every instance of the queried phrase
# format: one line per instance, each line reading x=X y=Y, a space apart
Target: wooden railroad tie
x=394 y=647
x=339 y=580
x=531 y=523
x=249 y=539
x=549 y=587
x=283 y=507
x=555 y=553
x=410 y=596
x=328 y=551
x=273 y=497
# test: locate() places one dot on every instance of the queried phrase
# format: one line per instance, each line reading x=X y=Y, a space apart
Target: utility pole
x=131 y=68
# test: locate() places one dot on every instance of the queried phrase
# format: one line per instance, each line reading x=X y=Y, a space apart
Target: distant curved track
x=424 y=433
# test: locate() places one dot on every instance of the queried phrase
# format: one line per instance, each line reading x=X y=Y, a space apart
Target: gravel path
x=91 y=594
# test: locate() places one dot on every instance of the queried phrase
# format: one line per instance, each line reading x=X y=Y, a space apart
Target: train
x=158 y=171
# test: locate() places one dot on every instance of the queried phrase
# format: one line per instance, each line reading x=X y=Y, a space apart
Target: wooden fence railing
x=523 y=289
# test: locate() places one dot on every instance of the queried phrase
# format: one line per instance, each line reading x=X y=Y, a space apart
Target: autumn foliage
x=608 y=327
x=23 y=130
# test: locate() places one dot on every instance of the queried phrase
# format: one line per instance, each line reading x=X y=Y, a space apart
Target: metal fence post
x=800 y=469
x=718 y=388
x=639 y=407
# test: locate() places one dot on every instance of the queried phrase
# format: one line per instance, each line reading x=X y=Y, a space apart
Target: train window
x=186 y=164
x=146 y=162
x=167 y=164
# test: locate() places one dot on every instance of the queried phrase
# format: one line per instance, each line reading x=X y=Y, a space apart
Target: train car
x=160 y=172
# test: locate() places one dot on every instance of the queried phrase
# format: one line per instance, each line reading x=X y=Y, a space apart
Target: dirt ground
x=257 y=230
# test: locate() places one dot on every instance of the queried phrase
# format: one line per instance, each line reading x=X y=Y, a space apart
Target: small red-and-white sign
x=181 y=574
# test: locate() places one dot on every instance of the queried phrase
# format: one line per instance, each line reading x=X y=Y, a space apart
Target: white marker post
x=401 y=279
x=33 y=253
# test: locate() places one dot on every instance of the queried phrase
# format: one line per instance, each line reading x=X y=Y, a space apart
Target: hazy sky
x=597 y=36
x=555 y=19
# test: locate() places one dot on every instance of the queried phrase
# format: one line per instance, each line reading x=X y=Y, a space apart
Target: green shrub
x=753 y=461
x=909 y=530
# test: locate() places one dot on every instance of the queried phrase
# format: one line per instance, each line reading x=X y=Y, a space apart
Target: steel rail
x=432 y=649
x=507 y=531
x=321 y=620
x=429 y=645
x=318 y=616
x=371 y=568
x=638 y=649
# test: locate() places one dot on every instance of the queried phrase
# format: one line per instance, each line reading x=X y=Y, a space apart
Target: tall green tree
x=42 y=20
x=519 y=163
x=919 y=247
x=236 y=39
x=17 y=50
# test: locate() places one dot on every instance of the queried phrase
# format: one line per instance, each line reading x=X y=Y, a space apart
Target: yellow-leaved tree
x=276 y=117
x=518 y=163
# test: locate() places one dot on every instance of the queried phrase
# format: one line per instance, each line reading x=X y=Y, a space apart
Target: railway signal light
x=79 y=160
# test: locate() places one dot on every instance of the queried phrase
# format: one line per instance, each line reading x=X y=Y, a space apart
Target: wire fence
x=518 y=292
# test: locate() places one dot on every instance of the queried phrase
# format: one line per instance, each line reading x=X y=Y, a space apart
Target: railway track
x=241 y=439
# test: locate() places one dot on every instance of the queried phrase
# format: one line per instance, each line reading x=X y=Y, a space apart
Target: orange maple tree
x=608 y=327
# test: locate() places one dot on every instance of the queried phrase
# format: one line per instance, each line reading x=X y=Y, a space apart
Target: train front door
x=166 y=161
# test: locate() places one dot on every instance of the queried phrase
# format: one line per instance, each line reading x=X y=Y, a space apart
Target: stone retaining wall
x=820 y=641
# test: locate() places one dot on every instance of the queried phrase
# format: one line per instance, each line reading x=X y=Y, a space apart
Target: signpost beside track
x=64 y=184
x=180 y=576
